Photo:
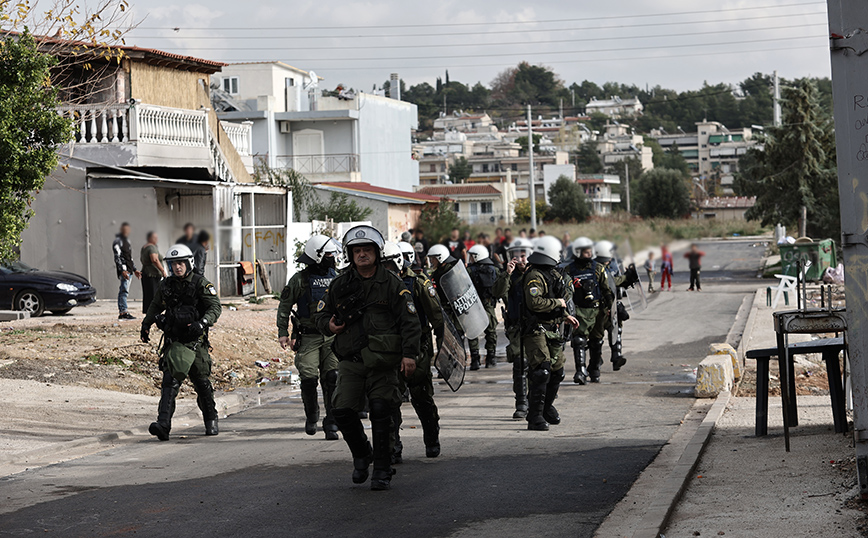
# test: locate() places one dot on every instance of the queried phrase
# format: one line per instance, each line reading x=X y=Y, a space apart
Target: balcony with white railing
x=241 y=136
x=324 y=167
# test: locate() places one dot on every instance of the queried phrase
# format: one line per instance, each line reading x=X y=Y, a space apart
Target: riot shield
x=451 y=359
x=459 y=289
x=566 y=328
x=639 y=285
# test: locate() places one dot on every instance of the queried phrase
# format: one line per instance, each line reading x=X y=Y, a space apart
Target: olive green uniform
x=184 y=355
x=381 y=327
x=542 y=315
x=513 y=293
x=421 y=383
x=488 y=294
x=592 y=311
x=314 y=357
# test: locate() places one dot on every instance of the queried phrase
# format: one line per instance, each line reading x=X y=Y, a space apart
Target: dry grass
x=642 y=233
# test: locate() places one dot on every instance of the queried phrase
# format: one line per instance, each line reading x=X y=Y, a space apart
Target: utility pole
x=850 y=92
x=627 y=184
x=531 y=185
x=777 y=101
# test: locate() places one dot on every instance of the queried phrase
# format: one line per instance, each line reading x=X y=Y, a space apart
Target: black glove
x=197 y=328
x=632 y=275
x=145 y=334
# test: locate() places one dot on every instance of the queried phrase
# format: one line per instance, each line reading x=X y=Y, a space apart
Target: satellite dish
x=314 y=80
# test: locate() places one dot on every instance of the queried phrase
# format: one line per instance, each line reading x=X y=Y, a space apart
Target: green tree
x=796 y=167
x=661 y=193
x=339 y=208
x=460 y=170
x=522 y=210
x=31 y=130
x=673 y=160
x=522 y=141
x=303 y=194
x=568 y=201
x=438 y=220
x=587 y=159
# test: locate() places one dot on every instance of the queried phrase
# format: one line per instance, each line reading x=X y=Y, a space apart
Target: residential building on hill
x=618 y=142
x=598 y=189
x=615 y=107
x=488 y=203
x=342 y=136
x=724 y=208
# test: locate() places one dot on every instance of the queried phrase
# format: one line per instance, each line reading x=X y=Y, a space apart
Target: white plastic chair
x=787 y=284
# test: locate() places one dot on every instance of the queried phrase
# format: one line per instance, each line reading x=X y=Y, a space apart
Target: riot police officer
x=517 y=253
x=376 y=331
x=441 y=262
x=314 y=358
x=398 y=258
x=546 y=295
x=484 y=275
x=184 y=307
x=606 y=256
x=592 y=297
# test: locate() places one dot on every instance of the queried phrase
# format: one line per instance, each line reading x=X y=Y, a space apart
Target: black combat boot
x=595 y=350
x=580 y=346
x=311 y=405
x=618 y=359
x=206 y=403
x=474 y=360
x=166 y=408
x=537 y=384
x=328 y=392
x=490 y=360
x=381 y=432
x=351 y=428
x=398 y=449
x=550 y=413
x=519 y=388
x=430 y=419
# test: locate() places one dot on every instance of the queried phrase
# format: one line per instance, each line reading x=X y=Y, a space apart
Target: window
x=432 y=168
x=455 y=207
x=290 y=82
x=230 y=85
x=486 y=208
x=485 y=167
x=514 y=167
x=442 y=167
x=474 y=209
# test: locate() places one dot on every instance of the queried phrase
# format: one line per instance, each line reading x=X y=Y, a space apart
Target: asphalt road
x=263 y=477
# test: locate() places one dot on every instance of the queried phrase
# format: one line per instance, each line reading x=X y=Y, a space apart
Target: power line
x=508 y=54
x=584 y=60
x=463 y=24
x=448 y=34
x=501 y=43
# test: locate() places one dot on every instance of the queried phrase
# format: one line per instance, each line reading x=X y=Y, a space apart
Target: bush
x=438 y=221
x=662 y=193
x=568 y=201
x=522 y=210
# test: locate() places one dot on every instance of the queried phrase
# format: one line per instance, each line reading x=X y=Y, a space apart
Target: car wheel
x=61 y=312
x=30 y=301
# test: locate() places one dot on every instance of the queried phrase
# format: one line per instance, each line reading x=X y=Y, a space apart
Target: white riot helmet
x=440 y=253
x=177 y=253
x=392 y=254
x=408 y=252
x=477 y=253
x=316 y=248
x=546 y=251
x=580 y=244
x=362 y=235
x=605 y=250
x=520 y=244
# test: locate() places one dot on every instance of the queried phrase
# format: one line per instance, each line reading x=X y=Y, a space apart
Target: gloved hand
x=145 y=334
x=632 y=275
x=197 y=328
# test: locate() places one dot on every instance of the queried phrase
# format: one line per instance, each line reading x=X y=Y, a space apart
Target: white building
x=350 y=137
x=619 y=143
x=484 y=203
x=598 y=189
x=615 y=107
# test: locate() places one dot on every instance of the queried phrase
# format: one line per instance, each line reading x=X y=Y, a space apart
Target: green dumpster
x=820 y=253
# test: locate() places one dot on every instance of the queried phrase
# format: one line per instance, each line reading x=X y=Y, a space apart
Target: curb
x=227 y=404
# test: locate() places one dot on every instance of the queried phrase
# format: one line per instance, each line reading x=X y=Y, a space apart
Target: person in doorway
x=126 y=268
x=694 y=259
x=189 y=237
x=153 y=270
x=665 y=268
x=200 y=252
x=651 y=271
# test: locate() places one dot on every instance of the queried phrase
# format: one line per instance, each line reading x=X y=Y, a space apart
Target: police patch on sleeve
x=411 y=307
x=431 y=291
x=320 y=305
x=534 y=291
x=211 y=290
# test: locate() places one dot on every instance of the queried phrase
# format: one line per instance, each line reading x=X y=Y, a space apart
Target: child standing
x=651 y=271
x=665 y=268
x=694 y=257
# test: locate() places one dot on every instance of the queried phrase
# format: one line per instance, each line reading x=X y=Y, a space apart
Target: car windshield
x=17 y=267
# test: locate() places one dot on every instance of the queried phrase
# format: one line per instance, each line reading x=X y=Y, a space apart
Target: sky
x=677 y=44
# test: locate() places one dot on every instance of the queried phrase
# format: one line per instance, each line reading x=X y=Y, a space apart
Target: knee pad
x=579 y=342
x=344 y=415
x=331 y=377
x=557 y=376
x=541 y=375
x=306 y=383
x=595 y=344
x=202 y=383
x=380 y=409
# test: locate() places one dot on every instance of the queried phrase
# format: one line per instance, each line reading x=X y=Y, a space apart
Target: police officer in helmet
x=517 y=253
x=314 y=357
x=606 y=256
x=184 y=307
x=484 y=275
x=546 y=294
x=376 y=332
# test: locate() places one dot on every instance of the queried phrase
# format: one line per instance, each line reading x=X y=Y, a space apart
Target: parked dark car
x=25 y=288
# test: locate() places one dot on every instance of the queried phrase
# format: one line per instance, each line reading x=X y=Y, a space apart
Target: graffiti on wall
x=271 y=238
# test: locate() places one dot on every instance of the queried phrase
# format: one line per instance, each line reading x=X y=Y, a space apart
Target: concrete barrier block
x=13 y=315
x=726 y=349
x=713 y=376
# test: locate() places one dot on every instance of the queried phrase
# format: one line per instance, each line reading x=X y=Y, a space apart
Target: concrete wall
x=385 y=143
